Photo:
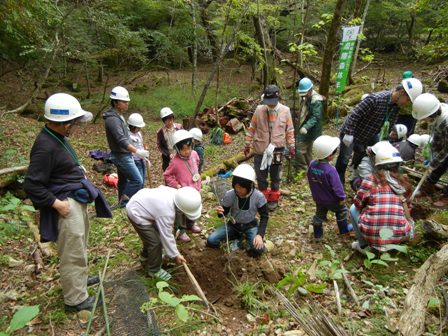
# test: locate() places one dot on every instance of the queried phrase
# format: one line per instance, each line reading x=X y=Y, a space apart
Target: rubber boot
x=266 y=193
x=344 y=227
x=273 y=199
x=318 y=231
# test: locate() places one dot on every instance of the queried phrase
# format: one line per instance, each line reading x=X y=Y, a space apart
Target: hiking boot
x=196 y=228
x=93 y=280
x=87 y=304
x=160 y=274
x=318 y=231
x=183 y=237
x=357 y=247
x=344 y=228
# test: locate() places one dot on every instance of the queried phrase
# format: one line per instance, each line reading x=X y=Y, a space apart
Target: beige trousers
x=72 y=251
x=304 y=154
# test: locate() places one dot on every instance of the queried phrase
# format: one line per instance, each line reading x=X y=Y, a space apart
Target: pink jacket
x=178 y=172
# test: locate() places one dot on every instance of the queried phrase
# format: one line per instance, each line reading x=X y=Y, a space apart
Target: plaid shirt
x=380 y=208
x=439 y=144
x=367 y=118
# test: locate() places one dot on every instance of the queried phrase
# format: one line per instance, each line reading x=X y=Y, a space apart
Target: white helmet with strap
x=188 y=200
x=165 y=112
x=425 y=105
x=196 y=133
x=413 y=87
x=136 y=120
x=415 y=139
x=324 y=145
x=181 y=135
x=425 y=139
x=401 y=130
x=62 y=107
x=245 y=171
x=387 y=155
x=120 y=93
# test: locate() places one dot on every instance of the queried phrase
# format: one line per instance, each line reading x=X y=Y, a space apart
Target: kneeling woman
x=243 y=202
x=379 y=213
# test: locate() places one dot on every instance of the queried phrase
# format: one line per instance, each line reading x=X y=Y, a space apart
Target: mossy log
x=231 y=163
x=412 y=319
x=9 y=175
x=435 y=229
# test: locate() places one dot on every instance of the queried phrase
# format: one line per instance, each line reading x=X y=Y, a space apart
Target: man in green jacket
x=309 y=121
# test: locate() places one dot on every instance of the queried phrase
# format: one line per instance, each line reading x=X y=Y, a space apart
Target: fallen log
x=435 y=229
x=418 y=175
x=231 y=163
x=412 y=319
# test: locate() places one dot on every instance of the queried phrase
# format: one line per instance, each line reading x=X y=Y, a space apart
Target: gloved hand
x=267 y=157
x=347 y=140
x=246 y=150
x=143 y=153
x=292 y=153
x=270 y=150
x=303 y=130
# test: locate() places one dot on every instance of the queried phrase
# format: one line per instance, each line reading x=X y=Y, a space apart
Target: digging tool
x=148 y=172
x=196 y=286
x=414 y=193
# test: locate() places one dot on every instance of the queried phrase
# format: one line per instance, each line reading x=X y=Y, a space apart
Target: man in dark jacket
x=117 y=132
x=57 y=186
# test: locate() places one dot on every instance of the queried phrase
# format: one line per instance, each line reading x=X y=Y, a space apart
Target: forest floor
x=238 y=286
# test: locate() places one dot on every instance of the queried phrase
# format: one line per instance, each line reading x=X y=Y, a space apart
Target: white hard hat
x=401 y=130
x=119 y=93
x=136 y=120
x=425 y=139
x=386 y=155
x=413 y=87
x=188 y=200
x=62 y=107
x=381 y=145
x=165 y=112
x=324 y=145
x=196 y=133
x=245 y=171
x=181 y=135
x=425 y=105
x=415 y=139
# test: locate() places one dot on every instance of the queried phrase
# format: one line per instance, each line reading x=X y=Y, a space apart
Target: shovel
x=414 y=193
x=196 y=286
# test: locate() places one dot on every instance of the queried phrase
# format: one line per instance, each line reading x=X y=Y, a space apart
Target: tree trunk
x=205 y=20
x=332 y=39
x=358 y=43
x=260 y=39
x=194 y=62
x=412 y=319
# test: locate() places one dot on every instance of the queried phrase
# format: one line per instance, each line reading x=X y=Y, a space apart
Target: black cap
x=271 y=95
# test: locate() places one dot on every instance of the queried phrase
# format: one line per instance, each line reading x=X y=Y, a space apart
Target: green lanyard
x=67 y=147
x=384 y=133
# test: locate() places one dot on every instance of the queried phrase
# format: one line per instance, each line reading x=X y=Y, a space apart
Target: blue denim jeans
x=354 y=215
x=219 y=235
x=129 y=179
x=141 y=166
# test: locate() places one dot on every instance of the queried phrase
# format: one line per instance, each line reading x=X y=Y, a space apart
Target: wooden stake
x=338 y=298
x=350 y=288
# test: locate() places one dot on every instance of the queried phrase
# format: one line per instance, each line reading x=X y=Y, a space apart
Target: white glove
x=267 y=157
x=347 y=140
x=143 y=153
x=303 y=130
x=270 y=150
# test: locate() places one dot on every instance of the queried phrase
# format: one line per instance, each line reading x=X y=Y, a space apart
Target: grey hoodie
x=117 y=132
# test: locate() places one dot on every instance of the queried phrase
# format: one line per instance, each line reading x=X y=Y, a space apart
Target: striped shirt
x=380 y=208
x=367 y=118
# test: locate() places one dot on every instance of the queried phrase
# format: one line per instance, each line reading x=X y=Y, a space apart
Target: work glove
x=303 y=130
x=143 y=153
x=246 y=150
x=347 y=140
x=292 y=153
x=267 y=157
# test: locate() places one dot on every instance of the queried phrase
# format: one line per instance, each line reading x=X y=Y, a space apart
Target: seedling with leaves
x=330 y=269
x=20 y=319
x=384 y=258
x=298 y=282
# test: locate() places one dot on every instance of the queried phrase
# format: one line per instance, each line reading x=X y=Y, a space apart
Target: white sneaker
x=357 y=247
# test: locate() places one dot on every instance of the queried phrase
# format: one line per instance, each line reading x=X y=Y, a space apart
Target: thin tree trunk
x=332 y=39
x=86 y=68
x=195 y=50
x=208 y=29
x=260 y=39
x=355 y=56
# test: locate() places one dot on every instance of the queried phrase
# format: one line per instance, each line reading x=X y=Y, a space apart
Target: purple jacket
x=325 y=185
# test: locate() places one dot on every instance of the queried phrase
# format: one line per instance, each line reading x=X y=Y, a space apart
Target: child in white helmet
x=183 y=171
x=165 y=136
x=326 y=187
x=241 y=204
x=136 y=123
x=198 y=146
x=398 y=134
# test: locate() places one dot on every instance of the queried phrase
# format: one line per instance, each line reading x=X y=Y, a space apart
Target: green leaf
x=386 y=233
x=28 y=208
x=380 y=262
x=366 y=305
x=316 y=288
x=3 y=333
x=161 y=285
x=182 y=313
x=400 y=248
x=433 y=302
x=283 y=282
x=367 y=263
x=370 y=255
x=387 y=257
x=324 y=263
x=22 y=317
x=169 y=299
x=185 y=298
